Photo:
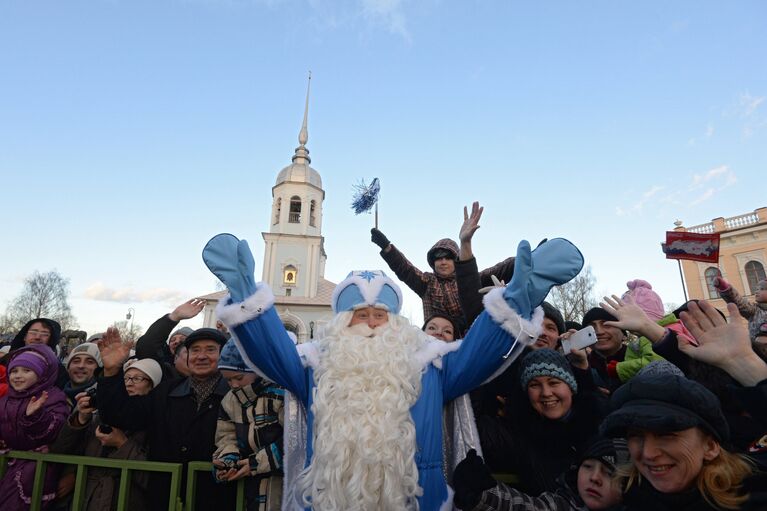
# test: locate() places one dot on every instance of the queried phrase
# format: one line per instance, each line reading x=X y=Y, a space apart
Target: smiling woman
x=675 y=429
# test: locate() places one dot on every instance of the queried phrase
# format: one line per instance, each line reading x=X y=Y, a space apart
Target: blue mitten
x=552 y=263
x=231 y=261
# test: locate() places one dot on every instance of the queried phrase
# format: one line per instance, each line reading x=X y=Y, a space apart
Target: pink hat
x=641 y=293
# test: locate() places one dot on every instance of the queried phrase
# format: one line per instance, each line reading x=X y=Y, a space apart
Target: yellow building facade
x=742 y=256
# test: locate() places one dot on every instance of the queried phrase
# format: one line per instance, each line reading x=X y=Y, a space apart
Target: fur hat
x=551 y=312
x=443 y=248
x=90 y=349
x=148 y=366
x=546 y=362
x=205 y=334
x=648 y=300
x=362 y=289
x=664 y=403
x=231 y=359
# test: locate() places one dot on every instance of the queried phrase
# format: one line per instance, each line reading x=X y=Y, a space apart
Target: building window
x=754 y=273
x=287 y=291
x=295 y=210
x=278 y=209
x=289 y=275
x=710 y=274
x=312 y=211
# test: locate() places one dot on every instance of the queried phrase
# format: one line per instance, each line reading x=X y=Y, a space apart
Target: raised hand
x=721 y=344
x=631 y=317
x=187 y=310
x=535 y=272
x=36 y=403
x=720 y=284
x=230 y=259
x=113 y=351
x=470 y=222
x=379 y=238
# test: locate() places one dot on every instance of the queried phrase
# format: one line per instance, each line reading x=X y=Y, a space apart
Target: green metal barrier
x=83 y=462
x=191 y=484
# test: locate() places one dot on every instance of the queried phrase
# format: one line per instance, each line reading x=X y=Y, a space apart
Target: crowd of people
x=485 y=407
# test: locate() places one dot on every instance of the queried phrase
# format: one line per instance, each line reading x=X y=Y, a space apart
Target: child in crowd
x=755 y=313
x=588 y=485
x=31 y=415
x=249 y=432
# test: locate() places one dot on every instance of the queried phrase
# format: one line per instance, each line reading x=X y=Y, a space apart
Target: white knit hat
x=148 y=366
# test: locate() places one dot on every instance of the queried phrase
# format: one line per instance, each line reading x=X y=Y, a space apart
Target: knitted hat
x=572 y=325
x=546 y=362
x=664 y=403
x=444 y=248
x=148 y=366
x=659 y=367
x=612 y=452
x=205 y=334
x=231 y=359
x=31 y=360
x=89 y=349
x=362 y=289
x=184 y=330
x=595 y=314
x=551 y=312
x=648 y=300
x=95 y=337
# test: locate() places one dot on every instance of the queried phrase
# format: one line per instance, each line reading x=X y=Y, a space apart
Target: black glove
x=379 y=238
x=470 y=478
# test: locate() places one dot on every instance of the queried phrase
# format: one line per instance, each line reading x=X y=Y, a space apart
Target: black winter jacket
x=177 y=432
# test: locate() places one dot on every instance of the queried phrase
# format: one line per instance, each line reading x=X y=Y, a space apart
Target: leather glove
x=232 y=262
x=552 y=263
x=379 y=238
x=470 y=478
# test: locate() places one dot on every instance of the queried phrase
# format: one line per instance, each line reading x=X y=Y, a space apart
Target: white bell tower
x=294 y=257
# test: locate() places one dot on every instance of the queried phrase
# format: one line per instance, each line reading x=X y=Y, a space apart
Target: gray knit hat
x=184 y=330
x=546 y=362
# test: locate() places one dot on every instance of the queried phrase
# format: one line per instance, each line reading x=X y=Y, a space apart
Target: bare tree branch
x=576 y=297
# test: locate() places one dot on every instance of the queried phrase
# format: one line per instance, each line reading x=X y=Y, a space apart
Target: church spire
x=302 y=153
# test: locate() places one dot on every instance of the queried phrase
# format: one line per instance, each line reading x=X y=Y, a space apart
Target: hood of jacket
x=53 y=340
x=443 y=244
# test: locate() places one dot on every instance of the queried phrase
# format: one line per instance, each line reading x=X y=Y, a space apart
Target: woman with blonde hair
x=675 y=431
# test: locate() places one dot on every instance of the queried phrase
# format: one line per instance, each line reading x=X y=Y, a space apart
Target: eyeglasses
x=41 y=333
x=134 y=379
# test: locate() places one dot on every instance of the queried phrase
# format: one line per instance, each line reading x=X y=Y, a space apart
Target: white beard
x=364 y=437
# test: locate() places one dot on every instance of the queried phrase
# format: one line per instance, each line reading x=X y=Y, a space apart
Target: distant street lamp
x=311 y=330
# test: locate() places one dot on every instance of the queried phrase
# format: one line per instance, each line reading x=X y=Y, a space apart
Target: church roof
x=324 y=294
x=299 y=173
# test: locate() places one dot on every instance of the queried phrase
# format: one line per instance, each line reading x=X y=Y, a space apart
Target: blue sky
x=133 y=131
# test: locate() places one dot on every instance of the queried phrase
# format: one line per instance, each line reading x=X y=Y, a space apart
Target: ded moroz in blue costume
x=354 y=459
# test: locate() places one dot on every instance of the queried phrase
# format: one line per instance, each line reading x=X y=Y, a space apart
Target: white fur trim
x=234 y=314
x=433 y=351
x=523 y=330
x=448 y=504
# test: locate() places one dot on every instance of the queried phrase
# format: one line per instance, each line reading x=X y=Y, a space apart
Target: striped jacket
x=250 y=426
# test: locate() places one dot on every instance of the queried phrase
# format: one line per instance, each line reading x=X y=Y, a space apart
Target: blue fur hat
x=362 y=289
x=231 y=360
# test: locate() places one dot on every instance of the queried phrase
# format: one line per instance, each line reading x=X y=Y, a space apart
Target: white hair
x=364 y=437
